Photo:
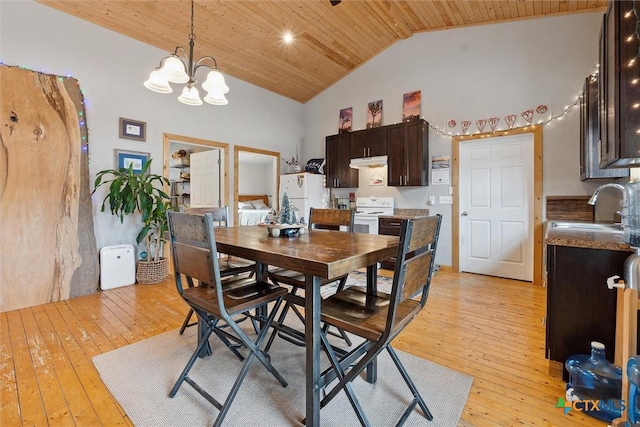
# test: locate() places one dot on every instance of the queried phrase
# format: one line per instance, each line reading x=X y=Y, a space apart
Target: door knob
x=465 y=213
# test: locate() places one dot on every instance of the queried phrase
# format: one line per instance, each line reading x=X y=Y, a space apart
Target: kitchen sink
x=588 y=226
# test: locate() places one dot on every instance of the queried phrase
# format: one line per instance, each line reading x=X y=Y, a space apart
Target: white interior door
x=205 y=179
x=496 y=205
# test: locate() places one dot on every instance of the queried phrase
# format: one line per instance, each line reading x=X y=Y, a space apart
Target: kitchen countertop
x=585 y=239
x=406 y=213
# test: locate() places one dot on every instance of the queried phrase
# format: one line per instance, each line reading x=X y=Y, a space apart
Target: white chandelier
x=176 y=69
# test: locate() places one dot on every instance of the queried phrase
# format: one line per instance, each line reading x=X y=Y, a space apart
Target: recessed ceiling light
x=287 y=37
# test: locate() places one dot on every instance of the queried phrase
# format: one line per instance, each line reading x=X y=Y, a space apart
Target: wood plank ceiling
x=245 y=36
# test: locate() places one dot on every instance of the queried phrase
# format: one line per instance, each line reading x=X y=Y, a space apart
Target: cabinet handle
x=397 y=224
x=364 y=152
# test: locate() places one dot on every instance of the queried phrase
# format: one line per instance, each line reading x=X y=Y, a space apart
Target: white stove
x=367 y=211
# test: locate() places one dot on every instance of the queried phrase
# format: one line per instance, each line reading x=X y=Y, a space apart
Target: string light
x=82 y=122
x=540 y=122
x=636 y=35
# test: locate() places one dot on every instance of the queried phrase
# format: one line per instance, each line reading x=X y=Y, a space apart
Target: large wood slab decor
x=48 y=243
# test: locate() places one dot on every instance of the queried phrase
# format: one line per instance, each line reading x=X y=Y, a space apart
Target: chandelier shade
x=174 y=70
x=190 y=96
x=157 y=82
x=214 y=98
x=181 y=69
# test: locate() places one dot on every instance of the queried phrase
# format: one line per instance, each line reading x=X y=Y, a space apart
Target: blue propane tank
x=594 y=379
x=633 y=371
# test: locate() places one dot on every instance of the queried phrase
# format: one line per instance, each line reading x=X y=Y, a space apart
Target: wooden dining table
x=319 y=254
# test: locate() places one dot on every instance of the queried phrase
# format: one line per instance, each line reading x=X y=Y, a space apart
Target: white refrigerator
x=305 y=191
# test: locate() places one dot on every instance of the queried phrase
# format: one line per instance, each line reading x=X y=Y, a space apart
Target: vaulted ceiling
x=245 y=36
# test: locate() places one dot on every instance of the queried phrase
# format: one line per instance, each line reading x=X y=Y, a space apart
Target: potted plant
x=142 y=192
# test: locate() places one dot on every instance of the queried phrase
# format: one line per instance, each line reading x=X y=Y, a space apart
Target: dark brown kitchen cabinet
x=580 y=307
x=338 y=172
x=408 y=153
x=590 y=134
x=620 y=91
x=391 y=227
x=369 y=142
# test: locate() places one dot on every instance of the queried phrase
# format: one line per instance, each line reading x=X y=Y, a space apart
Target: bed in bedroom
x=253 y=209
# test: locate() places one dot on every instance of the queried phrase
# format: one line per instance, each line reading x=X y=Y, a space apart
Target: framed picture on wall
x=374 y=114
x=133 y=129
x=411 y=106
x=345 y=120
x=136 y=159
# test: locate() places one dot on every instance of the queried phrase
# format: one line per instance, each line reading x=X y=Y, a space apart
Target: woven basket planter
x=152 y=271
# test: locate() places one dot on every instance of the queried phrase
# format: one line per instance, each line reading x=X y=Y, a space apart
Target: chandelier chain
x=192 y=35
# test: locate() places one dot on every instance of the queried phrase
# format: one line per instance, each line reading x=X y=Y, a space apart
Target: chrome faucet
x=592 y=200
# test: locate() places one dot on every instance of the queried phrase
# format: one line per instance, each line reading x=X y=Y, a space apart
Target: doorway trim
x=166 y=141
x=236 y=172
x=537 y=194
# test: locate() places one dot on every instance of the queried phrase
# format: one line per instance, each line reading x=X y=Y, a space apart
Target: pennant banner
x=527 y=115
x=493 y=123
x=511 y=120
x=541 y=109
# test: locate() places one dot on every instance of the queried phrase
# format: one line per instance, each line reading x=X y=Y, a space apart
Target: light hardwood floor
x=486 y=327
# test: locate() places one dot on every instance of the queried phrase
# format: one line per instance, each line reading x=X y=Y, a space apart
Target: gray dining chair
x=195 y=260
x=228 y=266
x=380 y=318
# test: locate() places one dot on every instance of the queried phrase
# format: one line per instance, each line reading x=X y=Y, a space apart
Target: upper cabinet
x=408 y=154
x=339 y=174
x=369 y=142
x=590 y=134
x=619 y=88
x=406 y=146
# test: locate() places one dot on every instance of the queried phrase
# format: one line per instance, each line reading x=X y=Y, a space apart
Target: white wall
x=469 y=74
x=256 y=179
x=111 y=69
x=464 y=74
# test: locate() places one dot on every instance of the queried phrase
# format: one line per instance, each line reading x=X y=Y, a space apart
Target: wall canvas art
x=345 y=120
x=374 y=114
x=411 y=106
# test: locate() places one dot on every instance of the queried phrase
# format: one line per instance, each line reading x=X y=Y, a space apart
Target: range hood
x=368 y=162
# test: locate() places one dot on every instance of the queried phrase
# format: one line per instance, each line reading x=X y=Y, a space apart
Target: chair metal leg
x=294 y=340
x=416 y=394
x=283 y=314
x=255 y=352
x=231 y=346
x=355 y=404
x=340 y=334
x=186 y=323
x=254 y=347
x=370 y=355
x=187 y=368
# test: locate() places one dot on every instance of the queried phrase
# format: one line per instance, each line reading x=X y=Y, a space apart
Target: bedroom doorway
x=256 y=173
x=182 y=188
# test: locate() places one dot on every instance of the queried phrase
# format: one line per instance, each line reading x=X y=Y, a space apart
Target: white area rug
x=140 y=376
